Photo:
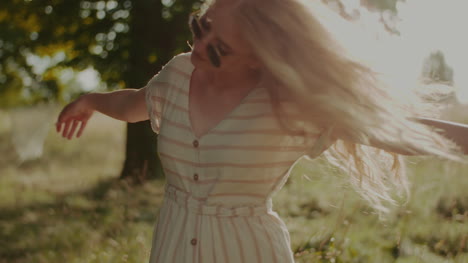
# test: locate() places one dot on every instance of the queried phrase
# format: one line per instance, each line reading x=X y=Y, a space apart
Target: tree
x=126 y=41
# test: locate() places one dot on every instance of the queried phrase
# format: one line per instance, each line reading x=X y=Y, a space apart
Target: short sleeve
x=154 y=106
x=161 y=85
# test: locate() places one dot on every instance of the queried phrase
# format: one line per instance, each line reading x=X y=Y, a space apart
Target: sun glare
x=424 y=27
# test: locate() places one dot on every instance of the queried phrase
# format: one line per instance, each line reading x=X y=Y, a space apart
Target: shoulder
x=178 y=68
x=172 y=76
x=180 y=64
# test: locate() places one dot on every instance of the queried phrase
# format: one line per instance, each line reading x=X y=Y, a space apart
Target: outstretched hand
x=75 y=114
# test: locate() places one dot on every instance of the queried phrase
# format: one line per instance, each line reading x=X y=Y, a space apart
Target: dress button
x=193 y=241
x=195 y=177
x=195 y=143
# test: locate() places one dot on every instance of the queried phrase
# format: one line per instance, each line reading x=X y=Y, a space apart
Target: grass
x=69 y=206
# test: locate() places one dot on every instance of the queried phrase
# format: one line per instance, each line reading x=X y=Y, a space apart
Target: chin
x=199 y=62
x=195 y=59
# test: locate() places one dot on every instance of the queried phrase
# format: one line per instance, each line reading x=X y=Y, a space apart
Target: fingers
x=69 y=127
x=72 y=129
x=83 y=125
x=58 y=126
x=66 y=128
x=69 y=119
x=61 y=124
x=60 y=121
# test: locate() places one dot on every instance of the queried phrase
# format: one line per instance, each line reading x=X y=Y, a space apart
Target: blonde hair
x=307 y=63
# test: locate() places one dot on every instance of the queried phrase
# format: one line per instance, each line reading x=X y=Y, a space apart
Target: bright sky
x=425 y=26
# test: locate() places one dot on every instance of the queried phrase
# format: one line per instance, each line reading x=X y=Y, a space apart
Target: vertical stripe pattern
x=217 y=203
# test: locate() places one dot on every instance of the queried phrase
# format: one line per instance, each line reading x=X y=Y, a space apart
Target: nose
x=201 y=44
x=206 y=38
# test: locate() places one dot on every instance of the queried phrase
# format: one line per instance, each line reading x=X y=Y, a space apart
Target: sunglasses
x=199 y=26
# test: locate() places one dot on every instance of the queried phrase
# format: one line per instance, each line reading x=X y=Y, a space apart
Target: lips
x=198 y=56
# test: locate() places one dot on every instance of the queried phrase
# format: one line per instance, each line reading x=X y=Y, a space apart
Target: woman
x=264 y=85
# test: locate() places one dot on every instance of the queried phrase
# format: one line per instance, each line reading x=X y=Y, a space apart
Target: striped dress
x=217 y=205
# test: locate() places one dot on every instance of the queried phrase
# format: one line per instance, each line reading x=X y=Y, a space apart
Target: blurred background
x=96 y=199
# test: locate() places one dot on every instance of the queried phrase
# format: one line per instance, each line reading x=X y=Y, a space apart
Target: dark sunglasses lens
x=213 y=56
x=195 y=27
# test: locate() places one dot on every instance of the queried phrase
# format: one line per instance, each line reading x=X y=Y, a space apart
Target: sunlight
x=431 y=25
x=88 y=79
x=424 y=27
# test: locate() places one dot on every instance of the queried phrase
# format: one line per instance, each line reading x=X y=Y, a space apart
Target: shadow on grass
x=74 y=220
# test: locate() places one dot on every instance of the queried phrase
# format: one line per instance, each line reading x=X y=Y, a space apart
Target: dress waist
x=199 y=206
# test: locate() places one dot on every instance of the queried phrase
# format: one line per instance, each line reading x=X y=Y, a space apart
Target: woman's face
x=218 y=43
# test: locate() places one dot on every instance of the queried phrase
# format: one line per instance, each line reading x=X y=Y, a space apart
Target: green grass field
x=69 y=207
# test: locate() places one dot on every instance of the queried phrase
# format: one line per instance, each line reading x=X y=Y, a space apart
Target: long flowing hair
x=307 y=62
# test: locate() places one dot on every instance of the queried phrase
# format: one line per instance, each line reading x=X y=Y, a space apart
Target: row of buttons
x=195 y=177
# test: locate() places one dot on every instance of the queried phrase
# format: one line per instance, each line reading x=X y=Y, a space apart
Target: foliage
x=382 y=4
x=125 y=41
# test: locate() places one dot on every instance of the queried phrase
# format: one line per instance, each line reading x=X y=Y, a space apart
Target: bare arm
x=457 y=132
x=454 y=131
x=126 y=105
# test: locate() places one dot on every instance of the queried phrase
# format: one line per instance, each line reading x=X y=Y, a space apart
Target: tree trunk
x=154 y=40
x=141 y=161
